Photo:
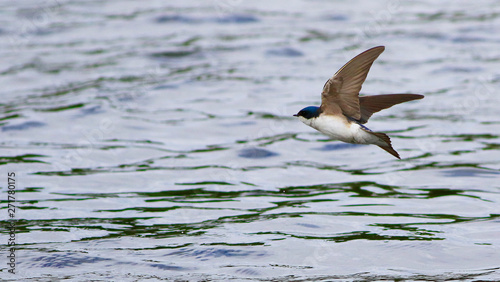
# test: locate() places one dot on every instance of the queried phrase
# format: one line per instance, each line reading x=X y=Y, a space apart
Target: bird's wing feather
x=343 y=88
x=372 y=104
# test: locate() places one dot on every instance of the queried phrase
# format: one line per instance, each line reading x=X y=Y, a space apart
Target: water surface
x=155 y=140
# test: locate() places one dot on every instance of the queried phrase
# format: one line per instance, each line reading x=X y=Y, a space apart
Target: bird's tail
x=385 y=143
x=390 y=150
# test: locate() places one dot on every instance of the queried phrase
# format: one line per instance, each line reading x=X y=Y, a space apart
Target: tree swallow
x=343 y=112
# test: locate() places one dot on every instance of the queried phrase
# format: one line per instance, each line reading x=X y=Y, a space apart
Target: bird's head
x=308 y=112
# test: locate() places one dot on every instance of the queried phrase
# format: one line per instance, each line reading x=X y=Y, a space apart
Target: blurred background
x=154 y=140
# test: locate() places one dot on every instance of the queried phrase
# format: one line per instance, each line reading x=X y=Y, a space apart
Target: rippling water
x=155 y=140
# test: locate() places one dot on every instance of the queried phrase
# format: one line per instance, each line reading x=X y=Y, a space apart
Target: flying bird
x=343 y=112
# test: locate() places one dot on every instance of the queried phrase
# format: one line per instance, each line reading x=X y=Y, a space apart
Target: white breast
x=340 y=128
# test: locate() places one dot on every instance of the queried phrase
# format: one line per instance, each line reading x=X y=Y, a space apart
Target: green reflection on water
x=295 y=200
x=27 y=158
x=62 y=108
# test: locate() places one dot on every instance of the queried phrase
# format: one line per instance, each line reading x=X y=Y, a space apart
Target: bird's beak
x=295 y=115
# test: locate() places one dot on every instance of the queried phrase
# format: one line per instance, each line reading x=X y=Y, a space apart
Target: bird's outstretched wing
x=372 y=104
x=342 y=90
